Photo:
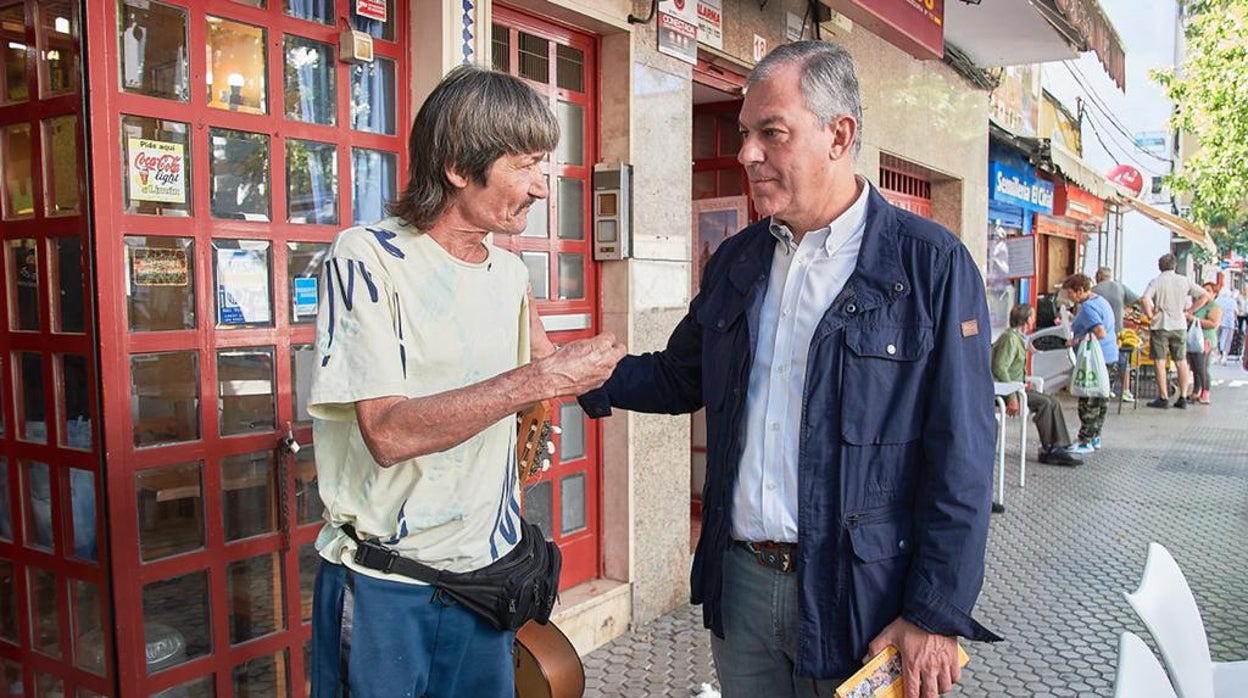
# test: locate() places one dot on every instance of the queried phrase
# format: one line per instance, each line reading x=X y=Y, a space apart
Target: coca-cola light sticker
x=157 y=171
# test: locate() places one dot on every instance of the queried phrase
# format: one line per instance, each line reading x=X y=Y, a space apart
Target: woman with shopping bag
x=1202 y=328
x=1093 y=334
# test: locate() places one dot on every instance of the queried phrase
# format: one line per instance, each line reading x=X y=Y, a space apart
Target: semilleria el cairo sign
x=1011 y=186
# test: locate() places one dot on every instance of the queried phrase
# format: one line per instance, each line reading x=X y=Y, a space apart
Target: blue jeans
x=394 y=640
x=756 y=657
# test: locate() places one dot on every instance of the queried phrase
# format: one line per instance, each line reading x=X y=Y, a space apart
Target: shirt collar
x=844 y=225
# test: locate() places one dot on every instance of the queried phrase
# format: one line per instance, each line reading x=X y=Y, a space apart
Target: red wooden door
x=562 y=64
x=54 y=581
x=230 y=144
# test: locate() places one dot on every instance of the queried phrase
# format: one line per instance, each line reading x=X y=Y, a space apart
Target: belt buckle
x=772 y=556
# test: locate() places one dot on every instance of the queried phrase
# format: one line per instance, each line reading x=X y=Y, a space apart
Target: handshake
x=578 y=367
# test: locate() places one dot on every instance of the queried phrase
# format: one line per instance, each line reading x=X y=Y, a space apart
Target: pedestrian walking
x=1226 y=326
x=1209 y=316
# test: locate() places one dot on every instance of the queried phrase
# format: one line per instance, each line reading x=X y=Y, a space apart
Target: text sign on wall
x=678 y=38
x=372 y=9
x=711 y=23
x=914 y=26
x=1009 y=186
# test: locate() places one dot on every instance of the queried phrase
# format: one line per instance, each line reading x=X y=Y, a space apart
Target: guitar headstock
x=534 y=444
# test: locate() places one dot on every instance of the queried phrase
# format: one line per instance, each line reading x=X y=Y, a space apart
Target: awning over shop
x=1179 y=226
x=1076 y=170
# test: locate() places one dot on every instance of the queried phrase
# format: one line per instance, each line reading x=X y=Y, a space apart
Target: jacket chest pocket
x=724 y=338
x=883 y=386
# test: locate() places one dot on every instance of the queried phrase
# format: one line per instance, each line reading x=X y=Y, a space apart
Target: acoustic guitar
x=546 y=663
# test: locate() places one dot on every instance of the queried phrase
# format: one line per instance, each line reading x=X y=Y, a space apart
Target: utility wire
x=1096 y=131
x=1098 y=102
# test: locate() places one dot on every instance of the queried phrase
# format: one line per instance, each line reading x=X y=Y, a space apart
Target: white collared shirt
x=805 y=279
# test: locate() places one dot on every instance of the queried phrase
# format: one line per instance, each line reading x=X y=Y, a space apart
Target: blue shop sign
x=1011 y=186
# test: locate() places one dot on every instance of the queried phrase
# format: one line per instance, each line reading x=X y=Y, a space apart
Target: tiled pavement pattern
x=1059 y=560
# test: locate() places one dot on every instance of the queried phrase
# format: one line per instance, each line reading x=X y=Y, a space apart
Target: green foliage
x=1210 y=94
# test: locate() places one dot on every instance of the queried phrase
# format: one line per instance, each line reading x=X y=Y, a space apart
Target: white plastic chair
x=1140 y=675
x=1165 y=603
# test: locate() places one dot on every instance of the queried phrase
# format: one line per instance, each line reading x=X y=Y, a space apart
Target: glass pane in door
x=237 y=59
x=247 y=390
x=164 y=395
x=73 y=401
x=311 y=182
x=239 y=172
x=255 y=595
x=61 y=182
x=58 y=43
x=372 y=97
x=156 y=166
x=18 y=195
x=249 y=496
x=14 y=80
x=373 y=173
x=170 y=510
x=175 y=620
x=160 y=283
x=310 y=72
x=303 y=269
x=23 y=267
x=153 y=63
x=68 y=284
x=242 y=272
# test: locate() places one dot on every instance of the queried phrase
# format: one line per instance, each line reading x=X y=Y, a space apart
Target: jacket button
x=899 y=287
x=851 y=308
x=902 y=544
x=720 y=324
x=891 y=349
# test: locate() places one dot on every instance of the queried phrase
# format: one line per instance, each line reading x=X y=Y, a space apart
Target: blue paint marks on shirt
x=368 y=279
x=329 y=298
x=508 y=515
x=398 y=328
x=383 y=238
x=400 y=521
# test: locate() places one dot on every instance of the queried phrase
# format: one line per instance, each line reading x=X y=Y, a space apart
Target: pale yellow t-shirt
x=400 y=316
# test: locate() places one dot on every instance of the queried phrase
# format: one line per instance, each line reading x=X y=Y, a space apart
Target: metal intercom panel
x=613 y=210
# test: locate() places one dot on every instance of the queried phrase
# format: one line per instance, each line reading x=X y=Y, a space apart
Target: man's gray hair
x=471 y=119
x=829 y=80
x=1167 y=262
x=1104 y=274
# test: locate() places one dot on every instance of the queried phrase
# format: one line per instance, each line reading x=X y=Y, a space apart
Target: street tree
x=1210 y=94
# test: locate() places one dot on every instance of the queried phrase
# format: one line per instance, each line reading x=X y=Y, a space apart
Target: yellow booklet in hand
x=881 y=677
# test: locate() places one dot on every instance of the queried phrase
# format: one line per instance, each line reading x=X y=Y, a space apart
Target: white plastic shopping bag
x=1091 y=377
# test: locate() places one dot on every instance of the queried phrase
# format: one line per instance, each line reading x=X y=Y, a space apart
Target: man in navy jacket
x=840 y=347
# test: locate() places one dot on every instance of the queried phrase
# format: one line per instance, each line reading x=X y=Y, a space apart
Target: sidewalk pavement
x=1059 y=560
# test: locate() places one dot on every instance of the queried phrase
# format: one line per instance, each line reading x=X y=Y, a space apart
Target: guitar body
x=547 y=665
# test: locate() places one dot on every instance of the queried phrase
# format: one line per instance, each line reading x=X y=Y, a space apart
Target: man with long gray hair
x=424 y=340
x=840 y=348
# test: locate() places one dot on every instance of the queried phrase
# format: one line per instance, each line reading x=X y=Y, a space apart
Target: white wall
x=1148 y=32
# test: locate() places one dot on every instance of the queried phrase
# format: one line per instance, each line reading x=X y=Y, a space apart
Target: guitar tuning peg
x=545 y=464
x=556 y=429
x=550 y=446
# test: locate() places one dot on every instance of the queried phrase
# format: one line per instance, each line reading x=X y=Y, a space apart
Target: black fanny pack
x=514 y=589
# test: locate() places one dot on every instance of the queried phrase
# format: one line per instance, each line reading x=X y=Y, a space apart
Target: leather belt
x=773 y=554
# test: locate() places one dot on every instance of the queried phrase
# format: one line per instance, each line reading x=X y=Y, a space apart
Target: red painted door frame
x=50 y=343
x=117 y=343
x=582 y=548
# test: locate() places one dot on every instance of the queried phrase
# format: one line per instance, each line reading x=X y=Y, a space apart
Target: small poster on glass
x=243 y=285
x=157 y=171
x=159 y=266
x=305 y=296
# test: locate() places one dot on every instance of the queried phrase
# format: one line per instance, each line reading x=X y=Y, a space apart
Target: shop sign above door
x=1017 y=188
x=914 y=26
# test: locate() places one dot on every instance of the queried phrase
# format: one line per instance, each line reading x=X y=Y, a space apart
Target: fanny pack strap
x=375 y=556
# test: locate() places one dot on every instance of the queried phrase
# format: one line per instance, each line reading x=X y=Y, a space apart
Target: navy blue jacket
x=897 y=436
